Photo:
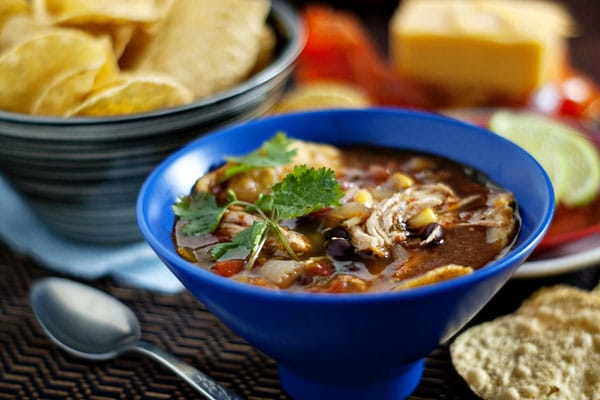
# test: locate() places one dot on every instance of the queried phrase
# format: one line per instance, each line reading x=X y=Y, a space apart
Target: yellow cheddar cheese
x=480 y=51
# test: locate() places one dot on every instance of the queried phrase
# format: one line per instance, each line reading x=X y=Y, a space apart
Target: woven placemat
x=31 y=367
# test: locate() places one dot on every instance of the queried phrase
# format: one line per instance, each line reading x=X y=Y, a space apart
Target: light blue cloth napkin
x=133 y=264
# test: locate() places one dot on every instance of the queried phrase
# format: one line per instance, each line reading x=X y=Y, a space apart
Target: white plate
x=569 y=257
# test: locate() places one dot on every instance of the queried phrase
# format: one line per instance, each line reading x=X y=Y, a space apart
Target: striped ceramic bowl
x=82 y=175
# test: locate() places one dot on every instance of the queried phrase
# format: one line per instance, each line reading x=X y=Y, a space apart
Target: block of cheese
x=477 y=52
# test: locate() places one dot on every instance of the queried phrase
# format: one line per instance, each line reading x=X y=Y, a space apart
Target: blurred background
x=584 y=47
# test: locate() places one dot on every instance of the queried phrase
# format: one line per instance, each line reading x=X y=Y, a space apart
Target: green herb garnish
x=202 y=212
x=301 y=192
x=305 y=190
x=273 y=153
x=242 y=244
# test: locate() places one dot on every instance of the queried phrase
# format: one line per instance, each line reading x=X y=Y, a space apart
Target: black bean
x=339 y=249
x=432 y=235
x=336 y=232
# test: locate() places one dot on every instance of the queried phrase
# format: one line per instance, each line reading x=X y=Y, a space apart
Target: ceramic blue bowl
x=350 y=346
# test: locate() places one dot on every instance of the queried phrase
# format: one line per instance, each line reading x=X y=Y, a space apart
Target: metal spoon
x=91 y=324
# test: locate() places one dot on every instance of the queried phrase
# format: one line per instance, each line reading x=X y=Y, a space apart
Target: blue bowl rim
x=283 y=14
x=505 y=262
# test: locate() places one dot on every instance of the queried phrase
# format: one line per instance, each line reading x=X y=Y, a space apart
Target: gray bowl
x=82 y=175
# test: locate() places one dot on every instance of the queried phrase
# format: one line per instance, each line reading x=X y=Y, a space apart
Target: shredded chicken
x=385 y=226
x=234 y=221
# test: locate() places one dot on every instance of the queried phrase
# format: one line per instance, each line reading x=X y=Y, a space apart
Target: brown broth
x=462 y=242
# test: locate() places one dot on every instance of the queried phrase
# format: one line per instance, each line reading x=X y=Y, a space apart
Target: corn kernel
x=423 y=218
x=364 y=197
x=400 y=181
x=186 y=253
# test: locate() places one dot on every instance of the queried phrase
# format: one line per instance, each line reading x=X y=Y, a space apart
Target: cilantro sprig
x=273 y=153
x=301 y=192
x=202 y=212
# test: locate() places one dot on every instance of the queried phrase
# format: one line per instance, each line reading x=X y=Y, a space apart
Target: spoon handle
x=202 y=382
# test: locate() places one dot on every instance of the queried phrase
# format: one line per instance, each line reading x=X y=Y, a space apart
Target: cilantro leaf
x=274 y=152
x=265 y=202
x=305 y=190
x=242 y=244
x=202 y=212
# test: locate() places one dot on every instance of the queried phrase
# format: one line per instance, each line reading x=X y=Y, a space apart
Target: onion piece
x=400 y=255
x=193 y=241
x=347 y=211
x=282 y=272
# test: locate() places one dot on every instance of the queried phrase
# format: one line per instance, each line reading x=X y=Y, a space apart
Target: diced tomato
x=228 y=268
x=320 y=269
x=570 y=107
x=338 y=47
x=347 y=284
x=574 y=96
x=314 y=270
x=579 y=93
x=378 y=173
x=340 y=287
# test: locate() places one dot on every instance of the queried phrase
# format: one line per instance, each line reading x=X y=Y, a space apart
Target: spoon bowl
x=94 y=325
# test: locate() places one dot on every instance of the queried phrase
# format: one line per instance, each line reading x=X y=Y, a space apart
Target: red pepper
x=228 y=268
x=341 y=286
x=320 y=269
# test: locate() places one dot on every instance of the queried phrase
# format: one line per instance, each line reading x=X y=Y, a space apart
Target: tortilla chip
x=517 y=357
x=134 y=94
x=104 y=11
x=436 y=275
x=65 y=92
x=207 y=45
x=27 y=68
x=267 y=43
x=548 y=348
x=19 y=28
x=185 y=46
x=136 y=47
x=10 y=8
x=119 y=34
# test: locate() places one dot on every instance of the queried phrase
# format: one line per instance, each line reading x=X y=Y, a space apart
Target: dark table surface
x=31 y=367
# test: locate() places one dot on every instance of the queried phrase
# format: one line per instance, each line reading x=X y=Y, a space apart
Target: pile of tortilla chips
x=547 y=349
x=110 y=57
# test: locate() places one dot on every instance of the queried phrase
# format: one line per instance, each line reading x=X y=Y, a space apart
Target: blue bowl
x=348 y=346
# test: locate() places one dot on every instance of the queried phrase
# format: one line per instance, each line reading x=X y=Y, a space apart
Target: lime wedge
x=570 y=159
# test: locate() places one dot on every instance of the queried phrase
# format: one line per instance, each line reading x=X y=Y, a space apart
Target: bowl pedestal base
x=397 y=388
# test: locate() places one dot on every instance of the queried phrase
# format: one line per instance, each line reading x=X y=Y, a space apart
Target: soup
x=309 y=217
